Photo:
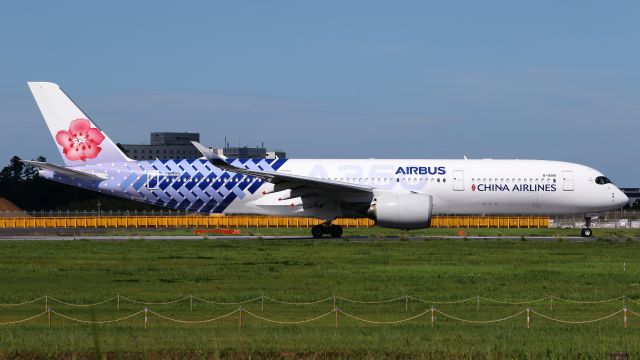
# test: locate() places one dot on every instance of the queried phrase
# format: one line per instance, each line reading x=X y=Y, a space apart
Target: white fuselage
x=459 y=186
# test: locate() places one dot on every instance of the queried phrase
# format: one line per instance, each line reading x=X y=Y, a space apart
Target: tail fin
x=79 y=140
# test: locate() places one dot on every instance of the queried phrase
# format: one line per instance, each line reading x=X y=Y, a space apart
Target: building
x=246 y=152
x=165 y=145
x=171 y=145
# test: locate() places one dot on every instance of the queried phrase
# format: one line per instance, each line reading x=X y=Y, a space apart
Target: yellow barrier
x=254 y=221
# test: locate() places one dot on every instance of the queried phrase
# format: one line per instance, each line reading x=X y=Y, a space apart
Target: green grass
x=375 y=232
x=306 y=270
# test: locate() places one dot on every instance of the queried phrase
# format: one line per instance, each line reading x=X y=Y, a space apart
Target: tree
x=13 y=172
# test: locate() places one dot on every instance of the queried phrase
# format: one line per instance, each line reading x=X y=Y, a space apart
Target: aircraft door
x=153 y=180
x=567 y=180
x=458 y=180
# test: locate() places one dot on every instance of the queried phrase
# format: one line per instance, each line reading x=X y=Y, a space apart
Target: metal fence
x=620 y=219
x=173 y=218
x=138 y=221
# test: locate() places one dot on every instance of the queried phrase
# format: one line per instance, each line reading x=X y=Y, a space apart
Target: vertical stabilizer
x=79 y=140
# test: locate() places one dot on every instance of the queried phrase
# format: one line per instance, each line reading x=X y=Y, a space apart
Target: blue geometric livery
x=189 y=184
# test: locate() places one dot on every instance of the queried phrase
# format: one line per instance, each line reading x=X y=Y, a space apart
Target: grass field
x=373 y=232
x=306 y=270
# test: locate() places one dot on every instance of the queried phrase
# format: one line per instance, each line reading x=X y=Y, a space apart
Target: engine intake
x=402 y=211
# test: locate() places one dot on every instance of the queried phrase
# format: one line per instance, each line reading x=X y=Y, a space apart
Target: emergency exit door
x=567 y=180
x=458 y=180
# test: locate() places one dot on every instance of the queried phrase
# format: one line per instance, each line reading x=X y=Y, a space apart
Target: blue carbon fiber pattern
x=189 y=184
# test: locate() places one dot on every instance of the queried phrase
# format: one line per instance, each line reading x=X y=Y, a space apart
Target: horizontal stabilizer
x=66 y=171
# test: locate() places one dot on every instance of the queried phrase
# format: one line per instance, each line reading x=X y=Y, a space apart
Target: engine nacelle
x=402 y=211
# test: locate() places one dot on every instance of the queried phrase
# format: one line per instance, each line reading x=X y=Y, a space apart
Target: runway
x=290 y=238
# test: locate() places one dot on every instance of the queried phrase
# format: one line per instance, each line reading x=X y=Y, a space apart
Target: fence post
x=334 y=301
x=528 y=318
x=478 y=302
x=46 y=302
x=49 y=315
x=433 y=318
x=190 y=302
x=337 y=310
x=118 y=301
x=262 y=303
x=240 y=320
x=146 y=310
x=551 y=299
x=625 y=317
x=406 y=303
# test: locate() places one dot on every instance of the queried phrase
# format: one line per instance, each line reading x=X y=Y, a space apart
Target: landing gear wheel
x=317 y=231
x=335 y=231
x=586 y=230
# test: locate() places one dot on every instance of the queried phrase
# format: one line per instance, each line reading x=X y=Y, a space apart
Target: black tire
x=586 y=232
x=317 y=232
x=335 y=231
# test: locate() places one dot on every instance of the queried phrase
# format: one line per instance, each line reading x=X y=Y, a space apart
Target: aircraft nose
x=621 y=199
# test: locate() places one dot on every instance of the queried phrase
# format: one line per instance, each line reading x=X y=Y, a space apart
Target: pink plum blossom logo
x=81 y=141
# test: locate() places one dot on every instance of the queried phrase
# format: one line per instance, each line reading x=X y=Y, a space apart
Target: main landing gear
x=586 y=230
x=327 y=228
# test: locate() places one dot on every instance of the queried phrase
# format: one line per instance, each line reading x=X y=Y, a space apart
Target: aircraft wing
x=287 y=180
x=65 y=170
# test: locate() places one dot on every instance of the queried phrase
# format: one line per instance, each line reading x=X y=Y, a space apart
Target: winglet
x=205 y=151
x=211 y=156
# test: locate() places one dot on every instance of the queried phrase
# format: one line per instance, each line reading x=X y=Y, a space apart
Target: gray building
x=165 y=145
x=172 y=145
x=246 y=152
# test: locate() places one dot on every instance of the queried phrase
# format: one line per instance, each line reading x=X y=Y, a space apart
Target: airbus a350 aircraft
x=396 y=193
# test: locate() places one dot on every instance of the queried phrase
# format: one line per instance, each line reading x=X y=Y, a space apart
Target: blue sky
x=355 y=79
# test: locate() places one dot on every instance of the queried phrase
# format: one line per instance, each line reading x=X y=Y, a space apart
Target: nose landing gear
x=586 y=230
x=326 y=228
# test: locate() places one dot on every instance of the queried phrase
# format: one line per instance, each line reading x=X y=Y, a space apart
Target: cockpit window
x=602 y=180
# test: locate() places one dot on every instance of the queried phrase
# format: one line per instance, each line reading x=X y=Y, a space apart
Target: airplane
x=395 y=193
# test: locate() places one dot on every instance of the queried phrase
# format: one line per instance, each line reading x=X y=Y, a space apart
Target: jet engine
x=401 y=211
